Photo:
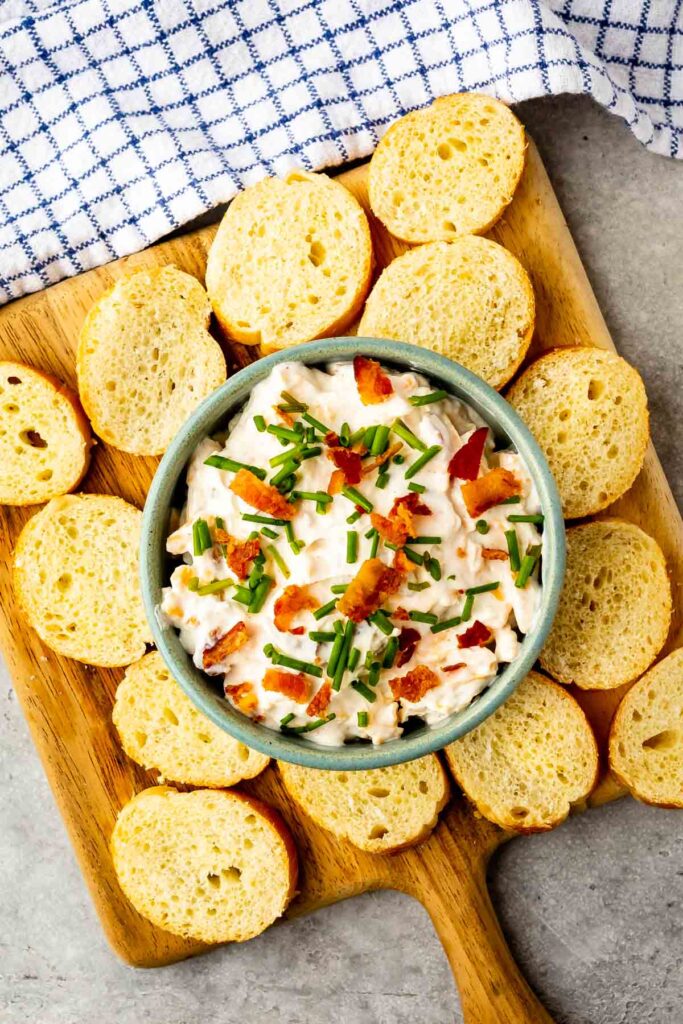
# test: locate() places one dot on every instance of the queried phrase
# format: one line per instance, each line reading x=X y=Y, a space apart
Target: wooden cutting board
x=68 y=705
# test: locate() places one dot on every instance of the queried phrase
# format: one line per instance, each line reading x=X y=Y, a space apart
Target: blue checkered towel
x=123 y=119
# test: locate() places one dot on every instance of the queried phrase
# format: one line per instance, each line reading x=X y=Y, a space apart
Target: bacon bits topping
x=408 y=639
x=291 y=601
x=291 y=684
x=476 y=636
x=372 y=382
x=401 y=614
x=238 y=553
x=379 y=460
x=467 y=460
x=243 y=697
x=369 y=588
x=413 y=686
x=491 y=489
x=402 y=563
x=399 y=525
x=348 y=461
x=454 y=668
x=494 y=555
x=225 y=645
x=336 y=483
x=318 y=705
x=261 y=496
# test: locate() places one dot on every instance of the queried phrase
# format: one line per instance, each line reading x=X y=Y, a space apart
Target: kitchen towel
x=123 y=119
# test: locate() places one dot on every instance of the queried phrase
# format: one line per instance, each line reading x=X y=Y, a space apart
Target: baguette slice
x=615 y=607
x=646 y=739
x=212 y=865
x=531 y=761
x=146 y=359
x=291 y=261
x=160 y=728
x=76 y=576
x=448 y=169
x=588 y=411
x=380 y=810
x=469 y=299
x=44 y=436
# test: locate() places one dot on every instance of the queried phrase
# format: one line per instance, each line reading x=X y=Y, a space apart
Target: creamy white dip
x=507 y=611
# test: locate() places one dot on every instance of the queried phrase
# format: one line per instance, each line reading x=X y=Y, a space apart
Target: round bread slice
x=448 y=169
x=76 y=576
x=646 y=739
x=211 y=865
x=146 y=359
x=531 y=761
x=380 y=810
x=588 y=411
x=291 y=261
x=615 y=607
x=469 y=300
x=161 y=729
x=44 y=436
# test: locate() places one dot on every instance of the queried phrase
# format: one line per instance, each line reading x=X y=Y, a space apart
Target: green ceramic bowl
x=166 y=492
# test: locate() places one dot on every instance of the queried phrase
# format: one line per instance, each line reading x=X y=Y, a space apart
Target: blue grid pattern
x=123 y=119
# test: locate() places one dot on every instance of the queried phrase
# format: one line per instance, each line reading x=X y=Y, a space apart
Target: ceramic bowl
x=166 y=493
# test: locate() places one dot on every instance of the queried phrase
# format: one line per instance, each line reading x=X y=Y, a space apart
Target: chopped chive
x=291 y=400
x=362 y=718
x=514 y=500
x=259 y=594
x=420 y=463
x=351 y=546
x=325 y=609
x=339 y=588
x=374 y=545
x=280 y=658
x=353 y=518
x=513 y=549
x=284 y=433
x=390 y=652
x=243 y=594
x=323 y=637
x=345 y=434
x=434 y=569
x=419 y=586
x=310 y=453
x=356 y=436
x=233 y=466
x=267 y=532
x=334 y=654
x=354 y=658
x=379 y=441
x=249 y=517
x=402 y=431
x=527 y=566
x=481 y=526
x=526 y=519
x=337 y=626
x=392 y=547
x=433 y=396
x=193 y=584
x=287 y=719
x=259 y=423
x=292 y=454
x=413 y=556
x=427 y=617
x=320 y=497
x=253 y=535
x=425 y=540
x=364 y=691
x=309 y=435
x=294 y=544
x=214 y=587
x=483 y=588
x=382 y=481
x=446 y=624
x=201 y=537
x=467 y=608
x=220 y=523
x=399 y=459
x=418 y=488
x=369 y=437
x=315 y=423
x=321 y=508
x=289 y=407
x=370 y=534
x=279 y=560
x=344 y=655
x=286 y=470
x=309 y=727
x=357 y=498
x=287 y=485
x=380 y=620
x=368 y=659
x=373 y=675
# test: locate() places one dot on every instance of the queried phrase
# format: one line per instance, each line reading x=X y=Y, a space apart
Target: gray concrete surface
x=592 y=911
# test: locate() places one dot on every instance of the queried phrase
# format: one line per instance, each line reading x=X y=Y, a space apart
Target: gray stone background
x=592 y=911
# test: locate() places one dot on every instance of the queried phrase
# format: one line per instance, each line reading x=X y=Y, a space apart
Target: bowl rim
x=214 y=412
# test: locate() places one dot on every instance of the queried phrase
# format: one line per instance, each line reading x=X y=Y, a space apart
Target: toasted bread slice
x=212 y=865
x=615 y=606
x=531 y=761
x=470 y=300
x=146 y=359
x=448 y=169
x=588 y=411
x=646 y=739
x=161 y=729
x=380 y=810
x=76 y=576
x=291 y=261
x=44 y=436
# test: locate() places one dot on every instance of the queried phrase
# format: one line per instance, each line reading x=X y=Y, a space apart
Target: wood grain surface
x=68 y=705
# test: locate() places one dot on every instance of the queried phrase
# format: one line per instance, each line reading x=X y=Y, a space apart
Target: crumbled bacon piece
x=238 y=553
x=494 y=555
x=476 y=636
x=399 y=525
x=454 y=668
x=402 y=563
x=336 y=482
x=261 y=496
x=348 y=461
x=413 y=686
x=379 y=460
x=225 y=645
x=408 y=639
x=286 y=417
x=369 y=588
x=467 y=460
x=372 y=382
x=331 y=439
x=291 y=601
x=319 y=703
x=489 y=490
x=401 y=614
x=243 y=696
x=291 y=684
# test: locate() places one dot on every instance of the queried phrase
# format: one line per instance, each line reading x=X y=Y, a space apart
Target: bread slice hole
x=444 y=151
x=317 y=253
x=665 y=740
x=448 y=225
x=170 y=716
x=519 y=812
x=141 y=738
x=378 y=791
x=595 y=389
x=378 y=832
x=231 y=874
x=33 y=438
x=422 y=786
x=64 y=582
x=14 y=380
x=45 y=475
